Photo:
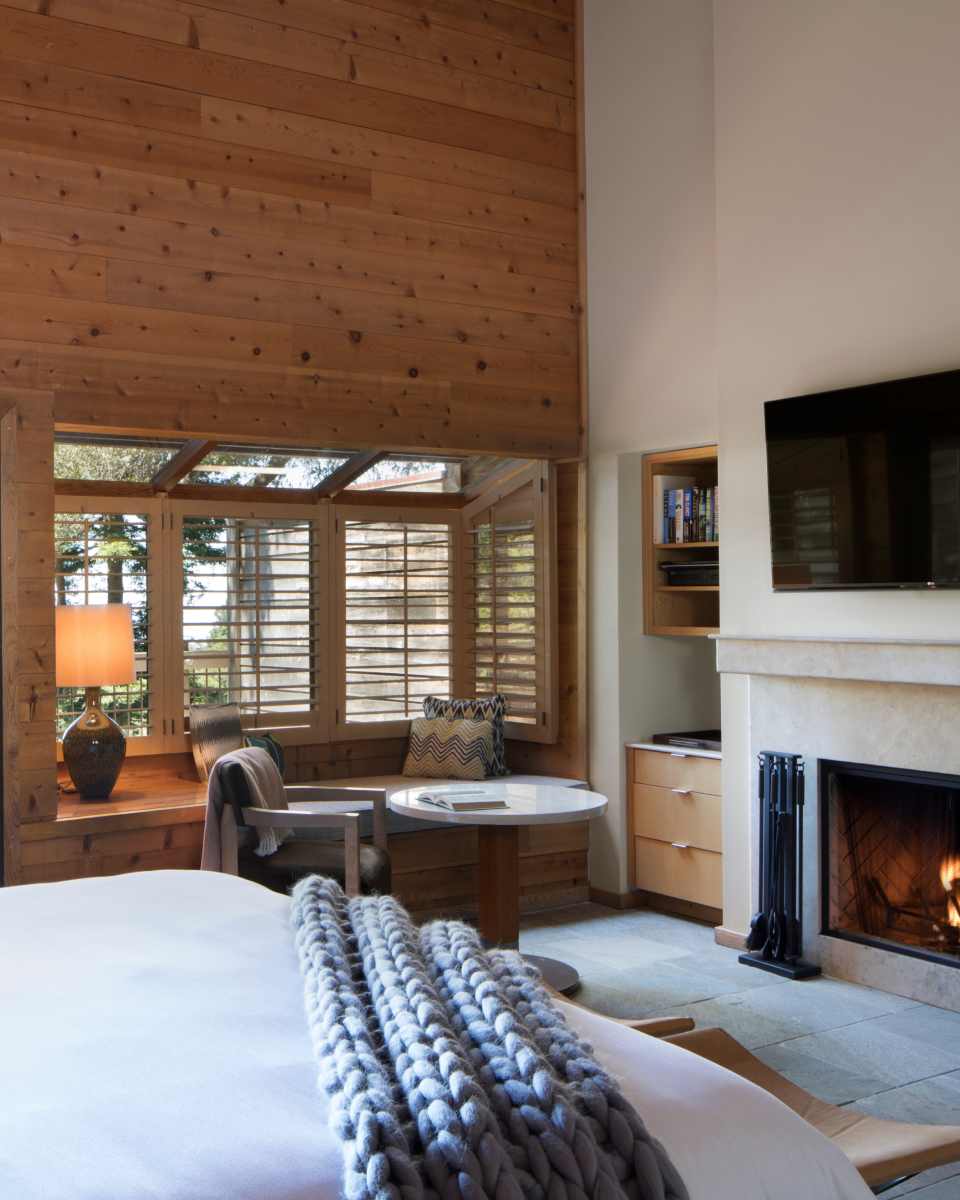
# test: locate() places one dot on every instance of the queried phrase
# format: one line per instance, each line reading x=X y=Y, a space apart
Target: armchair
x=357 y=868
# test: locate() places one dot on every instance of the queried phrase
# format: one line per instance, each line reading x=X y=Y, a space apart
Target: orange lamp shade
x=94 y=645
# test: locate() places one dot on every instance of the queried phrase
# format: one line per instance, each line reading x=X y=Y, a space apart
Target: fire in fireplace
x=891 y=858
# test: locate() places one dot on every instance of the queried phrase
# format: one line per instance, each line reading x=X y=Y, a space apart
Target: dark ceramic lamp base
x=94 y=748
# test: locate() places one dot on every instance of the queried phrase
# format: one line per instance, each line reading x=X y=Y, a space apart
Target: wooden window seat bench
x=154 y=821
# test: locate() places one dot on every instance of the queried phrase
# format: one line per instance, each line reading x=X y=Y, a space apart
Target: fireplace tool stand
x=775 y=938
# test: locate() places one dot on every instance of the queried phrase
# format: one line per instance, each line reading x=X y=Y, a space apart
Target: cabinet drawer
x=672 y=770
x=672 y=816
x=691 y=874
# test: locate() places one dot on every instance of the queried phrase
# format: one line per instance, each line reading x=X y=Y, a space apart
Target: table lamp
x=94 y=649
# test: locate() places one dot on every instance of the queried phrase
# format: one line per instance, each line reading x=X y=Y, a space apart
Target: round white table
x=498 y=844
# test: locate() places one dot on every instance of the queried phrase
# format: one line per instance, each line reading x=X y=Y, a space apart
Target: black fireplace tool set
x=775 y=940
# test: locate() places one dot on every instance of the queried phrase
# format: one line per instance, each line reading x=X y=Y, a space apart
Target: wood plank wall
x=313 y=221
x=309 y=220
x=29 y=693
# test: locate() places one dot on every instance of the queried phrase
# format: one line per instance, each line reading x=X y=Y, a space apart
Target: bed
x=155 y=1045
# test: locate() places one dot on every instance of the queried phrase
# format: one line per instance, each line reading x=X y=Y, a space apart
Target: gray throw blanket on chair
x=451 y=1074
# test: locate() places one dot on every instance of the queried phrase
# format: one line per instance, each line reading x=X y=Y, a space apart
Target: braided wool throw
x=451 y=1074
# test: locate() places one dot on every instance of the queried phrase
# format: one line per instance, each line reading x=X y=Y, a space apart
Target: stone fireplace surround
x=888 y=702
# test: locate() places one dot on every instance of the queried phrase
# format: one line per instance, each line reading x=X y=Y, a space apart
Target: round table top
x=528 y=804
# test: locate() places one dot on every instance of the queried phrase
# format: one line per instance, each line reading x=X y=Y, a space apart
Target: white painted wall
x=772 y=194
x=652 y=320
x=838 y=263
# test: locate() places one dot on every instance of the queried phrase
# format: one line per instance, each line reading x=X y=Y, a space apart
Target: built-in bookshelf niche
x=678 y=610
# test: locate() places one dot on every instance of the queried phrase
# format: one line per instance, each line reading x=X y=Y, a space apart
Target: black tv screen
x=864 y=485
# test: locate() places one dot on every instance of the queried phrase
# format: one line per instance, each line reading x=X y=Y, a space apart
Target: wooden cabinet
x=692 y=611
x=674 y=828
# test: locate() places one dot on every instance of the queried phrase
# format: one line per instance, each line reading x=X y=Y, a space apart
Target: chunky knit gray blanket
x=451 y=1074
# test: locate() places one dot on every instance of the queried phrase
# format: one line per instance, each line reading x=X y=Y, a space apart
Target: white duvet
x=154 y=1045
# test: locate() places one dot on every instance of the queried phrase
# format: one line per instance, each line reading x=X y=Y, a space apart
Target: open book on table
x=460 y=799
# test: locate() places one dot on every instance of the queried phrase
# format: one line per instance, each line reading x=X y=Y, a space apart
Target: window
x=112 y=457
x=250 y=616
x=397 y=616
x=266 y=466
x=509 y=602
x=106 y=558
x=329 y=620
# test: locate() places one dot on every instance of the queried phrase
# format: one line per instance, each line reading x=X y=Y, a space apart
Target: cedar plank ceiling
x=310 y=220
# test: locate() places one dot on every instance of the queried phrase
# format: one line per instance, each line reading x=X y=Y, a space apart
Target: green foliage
x=134 y=464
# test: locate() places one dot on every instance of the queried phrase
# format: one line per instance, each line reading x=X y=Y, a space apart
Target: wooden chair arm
x=658 y=1026
x=281 y=818
x=376 y=797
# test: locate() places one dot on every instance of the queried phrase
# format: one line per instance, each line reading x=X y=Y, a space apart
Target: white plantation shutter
x=509 y=601
x=397 y=623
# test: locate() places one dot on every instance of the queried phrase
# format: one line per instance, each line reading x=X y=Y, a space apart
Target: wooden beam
x=118 y=488
x=245 y=494
x=352 y=469
x=10 y=636
x=581 y=139
x=182 y=464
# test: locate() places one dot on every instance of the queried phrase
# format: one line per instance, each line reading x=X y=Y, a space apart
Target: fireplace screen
x=892 y=858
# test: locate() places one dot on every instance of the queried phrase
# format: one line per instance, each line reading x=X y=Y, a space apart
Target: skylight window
x=406 y=473
x=168 y=463
x=121 y=459
x=267 y=466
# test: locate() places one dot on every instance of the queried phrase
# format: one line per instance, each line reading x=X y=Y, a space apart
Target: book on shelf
x=684 y=514
x=663 y=505
x=461 y=799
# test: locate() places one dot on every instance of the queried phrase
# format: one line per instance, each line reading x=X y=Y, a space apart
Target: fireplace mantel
x=880 y=660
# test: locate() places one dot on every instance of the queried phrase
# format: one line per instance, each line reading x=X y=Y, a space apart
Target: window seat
x=154 y=821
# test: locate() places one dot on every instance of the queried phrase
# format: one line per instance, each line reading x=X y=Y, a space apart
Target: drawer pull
x=676 y=754
x=680 y=845
x=681 y=791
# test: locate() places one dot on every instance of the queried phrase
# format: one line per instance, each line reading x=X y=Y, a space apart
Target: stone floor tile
x=814 y=1005
x=617 y=953
x=935 y=1026
x=871 y=1051
x=925 y=1179
x=947 y=1189
x=562 y=951
x=677 y=931
x=933 y=1101
x=728 y=1013
x=729 y=971
x=659 y=986
x=599 y=996
x=827 y=1082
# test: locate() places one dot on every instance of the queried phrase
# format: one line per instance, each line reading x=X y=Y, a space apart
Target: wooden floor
x=154 y=821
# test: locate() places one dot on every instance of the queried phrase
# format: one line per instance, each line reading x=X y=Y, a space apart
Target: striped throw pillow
x=491 y=710
x=441 y=749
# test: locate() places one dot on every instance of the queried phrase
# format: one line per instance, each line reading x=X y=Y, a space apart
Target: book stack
x=683 y=512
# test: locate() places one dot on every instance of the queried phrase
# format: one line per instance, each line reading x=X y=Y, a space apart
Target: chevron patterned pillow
x=491 y=710
x=442 y=749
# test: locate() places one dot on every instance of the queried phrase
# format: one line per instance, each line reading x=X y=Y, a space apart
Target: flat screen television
x=864 y=486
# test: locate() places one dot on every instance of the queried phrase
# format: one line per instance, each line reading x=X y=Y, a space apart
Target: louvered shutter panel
x=397 y=587
x=251 y=617
x=508 y=540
